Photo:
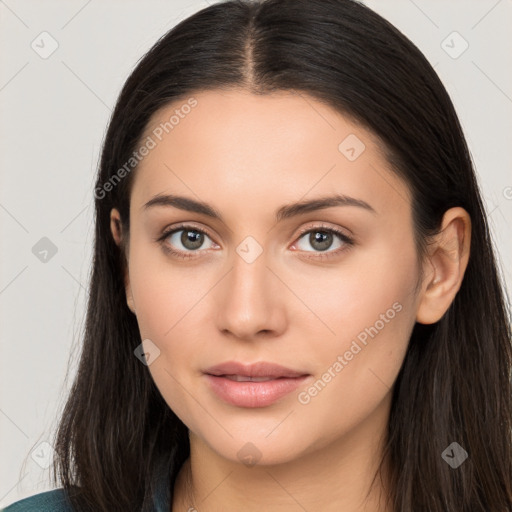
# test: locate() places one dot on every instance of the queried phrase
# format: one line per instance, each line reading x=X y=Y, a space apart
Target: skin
x=248 y=155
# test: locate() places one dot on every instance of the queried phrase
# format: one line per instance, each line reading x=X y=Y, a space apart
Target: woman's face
x=336 y=309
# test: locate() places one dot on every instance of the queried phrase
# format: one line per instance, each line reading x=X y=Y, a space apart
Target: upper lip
x=260 y=369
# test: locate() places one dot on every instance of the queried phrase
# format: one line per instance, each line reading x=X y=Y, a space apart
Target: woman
x=294 y=302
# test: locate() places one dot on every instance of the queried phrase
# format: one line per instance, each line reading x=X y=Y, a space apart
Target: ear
x=447 y=262
x=117 y=233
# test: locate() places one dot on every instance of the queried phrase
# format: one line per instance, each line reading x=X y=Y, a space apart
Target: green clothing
x=56 y=500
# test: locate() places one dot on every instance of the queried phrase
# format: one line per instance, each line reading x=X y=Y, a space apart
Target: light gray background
x=54 y=114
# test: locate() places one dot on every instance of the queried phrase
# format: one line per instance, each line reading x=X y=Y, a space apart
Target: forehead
x=229 y=144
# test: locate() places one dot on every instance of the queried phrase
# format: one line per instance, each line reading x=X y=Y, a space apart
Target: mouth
x=254 y=385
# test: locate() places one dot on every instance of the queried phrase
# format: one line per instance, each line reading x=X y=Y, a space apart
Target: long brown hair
x=455 y=381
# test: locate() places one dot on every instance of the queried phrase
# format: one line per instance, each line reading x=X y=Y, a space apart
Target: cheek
x=370 y=310
x=164 y=299
x=356 y=370
x=355 y=379
x=163 y=293
x=351 y=297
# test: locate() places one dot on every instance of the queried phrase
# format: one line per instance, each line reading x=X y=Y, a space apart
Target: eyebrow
x=284 y=212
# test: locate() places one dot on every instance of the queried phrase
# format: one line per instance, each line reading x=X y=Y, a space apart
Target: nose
x=250 y=303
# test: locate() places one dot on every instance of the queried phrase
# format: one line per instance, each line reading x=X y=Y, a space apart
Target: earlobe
x=447 y=262
x=129 y=297
x=116 y=229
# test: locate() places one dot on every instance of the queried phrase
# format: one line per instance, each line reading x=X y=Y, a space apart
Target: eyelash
x=349 y=242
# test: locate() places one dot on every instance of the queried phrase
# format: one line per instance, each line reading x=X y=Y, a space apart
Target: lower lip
x=253 y=394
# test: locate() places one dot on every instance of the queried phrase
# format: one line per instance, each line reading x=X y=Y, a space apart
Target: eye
x=186 y=238
x=321 y=238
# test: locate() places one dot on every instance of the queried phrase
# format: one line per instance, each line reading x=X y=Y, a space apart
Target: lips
x=253 y=385
x=261 y=369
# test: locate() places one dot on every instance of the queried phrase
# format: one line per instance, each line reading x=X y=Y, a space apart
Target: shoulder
x=48 y=501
